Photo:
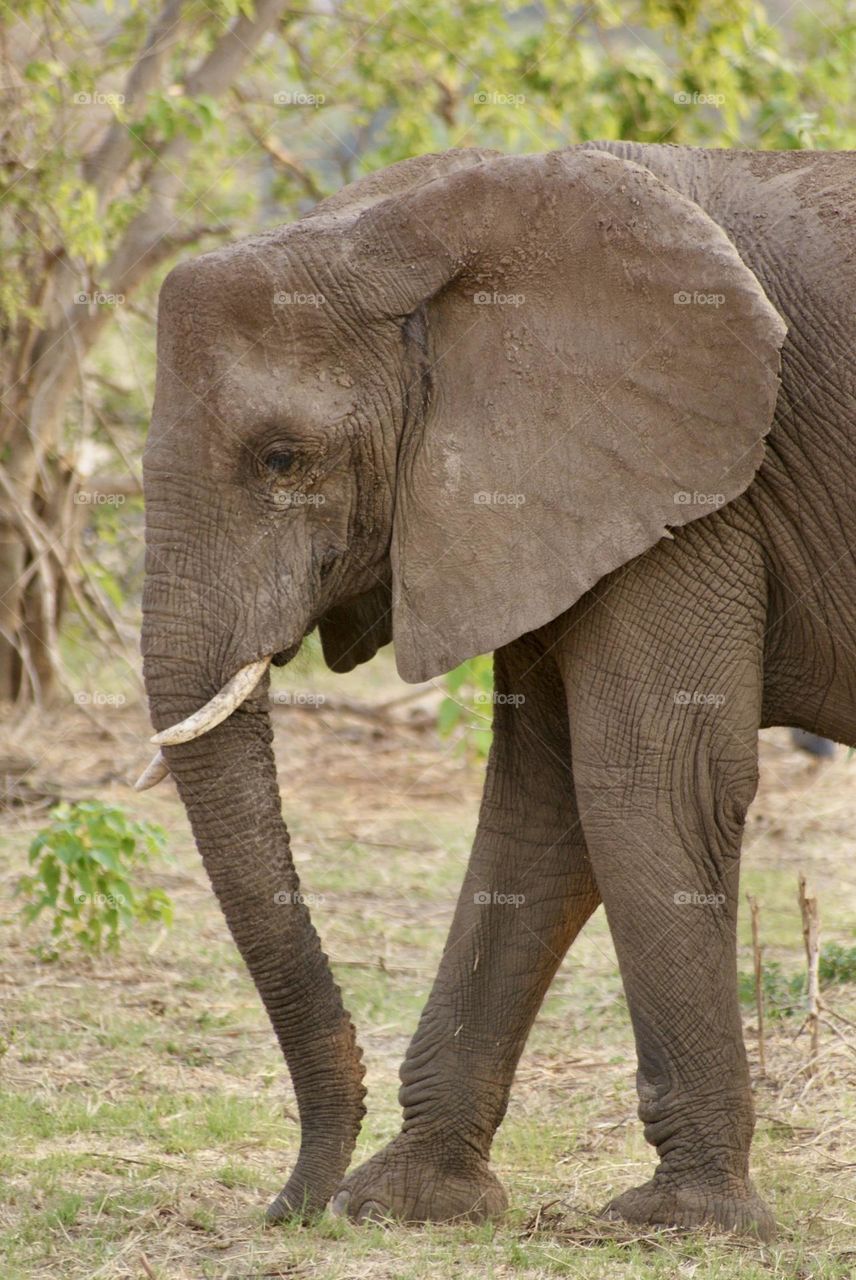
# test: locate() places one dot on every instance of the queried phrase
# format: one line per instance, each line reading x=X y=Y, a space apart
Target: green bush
x=837 y=964
x=83 y=864
x=468 y=704
x=783 y=996
x=786 y=996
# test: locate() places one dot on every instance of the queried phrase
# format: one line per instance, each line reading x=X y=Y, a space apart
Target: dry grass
x=146 y=1116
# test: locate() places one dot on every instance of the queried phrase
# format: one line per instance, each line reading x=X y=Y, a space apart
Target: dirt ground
x=147 y=1117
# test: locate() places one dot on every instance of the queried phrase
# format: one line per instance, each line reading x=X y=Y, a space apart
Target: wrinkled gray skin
x=646 y=660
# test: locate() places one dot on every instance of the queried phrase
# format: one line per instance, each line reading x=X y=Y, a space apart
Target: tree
x=125 y=143
x=99 y=189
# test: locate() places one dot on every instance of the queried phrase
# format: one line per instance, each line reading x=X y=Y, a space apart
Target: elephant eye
x=279 y=461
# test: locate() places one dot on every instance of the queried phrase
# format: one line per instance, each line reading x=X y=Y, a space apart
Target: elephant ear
x=599 y=366
x=395 y=179
x=352 y=632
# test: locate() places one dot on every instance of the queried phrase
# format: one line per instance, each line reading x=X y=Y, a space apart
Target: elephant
x=590 y=410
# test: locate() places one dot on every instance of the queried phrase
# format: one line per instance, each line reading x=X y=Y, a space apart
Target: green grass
x=145 y=1112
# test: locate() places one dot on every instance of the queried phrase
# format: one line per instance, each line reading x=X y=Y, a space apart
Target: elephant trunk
x=227 y=781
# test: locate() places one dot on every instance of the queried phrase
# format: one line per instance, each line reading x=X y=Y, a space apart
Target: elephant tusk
x=220 y=707
x=155 y=771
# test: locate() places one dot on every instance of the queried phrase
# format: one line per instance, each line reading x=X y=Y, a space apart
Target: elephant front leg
x=527 y=892
x=664 y=705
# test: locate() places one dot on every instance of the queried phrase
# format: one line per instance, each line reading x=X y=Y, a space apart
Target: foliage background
x=120 y=152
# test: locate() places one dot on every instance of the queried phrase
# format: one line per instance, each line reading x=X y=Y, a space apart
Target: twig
x=811 y=932
x=111 y=1155
x=379 y=964
x=103 y=166
x=840 y=1034
x=345 y=706
x=848 y=1022
x=38 y=540
x=278 y=154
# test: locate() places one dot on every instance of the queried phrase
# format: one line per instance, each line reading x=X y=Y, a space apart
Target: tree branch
x=104 y=165
x=138 y=251
x=284 y=159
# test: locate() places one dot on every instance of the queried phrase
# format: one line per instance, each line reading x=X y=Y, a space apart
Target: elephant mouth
x=217 y=709
x=283 y=656
x=214 y=712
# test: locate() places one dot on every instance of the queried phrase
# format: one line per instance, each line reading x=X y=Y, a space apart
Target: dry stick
x=346 y=706
x=811 y=937
x=759 y=990
x=147 y=1267
x=848 y=1022
x=840 y=1034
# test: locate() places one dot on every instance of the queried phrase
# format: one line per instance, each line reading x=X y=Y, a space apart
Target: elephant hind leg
x=664 y=685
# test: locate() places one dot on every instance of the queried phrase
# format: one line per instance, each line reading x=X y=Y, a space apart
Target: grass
x=145 y=1114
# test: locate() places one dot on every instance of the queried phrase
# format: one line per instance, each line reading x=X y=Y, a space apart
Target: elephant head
x=440 y=407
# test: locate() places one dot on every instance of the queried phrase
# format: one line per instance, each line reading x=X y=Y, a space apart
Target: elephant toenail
x=339 y=1204
x=276 y=1213
x=373 y=1211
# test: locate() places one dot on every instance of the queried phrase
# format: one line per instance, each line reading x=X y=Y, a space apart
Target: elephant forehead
x=251 y=344
x=296 y=396
x=255 y=293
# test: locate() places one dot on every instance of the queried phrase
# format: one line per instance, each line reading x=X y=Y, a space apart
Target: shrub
x=786 y=996
x=83 y=864
x=468 y=704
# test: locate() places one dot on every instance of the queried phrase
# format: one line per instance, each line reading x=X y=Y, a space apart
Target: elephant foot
x=657 y=1203
x=404 y=1185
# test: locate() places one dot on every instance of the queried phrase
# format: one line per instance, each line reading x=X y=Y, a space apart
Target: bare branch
x=284 y=159
x=106 y=163
x=139 y=249
x=38 y=540
x=219 y=70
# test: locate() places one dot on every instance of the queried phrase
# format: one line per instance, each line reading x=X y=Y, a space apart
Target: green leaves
x=75 y=211
x=468 y=704
x=43 y=72
x=83 y=866
x=785 y=995
x=333 y=92
x=172 y=113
